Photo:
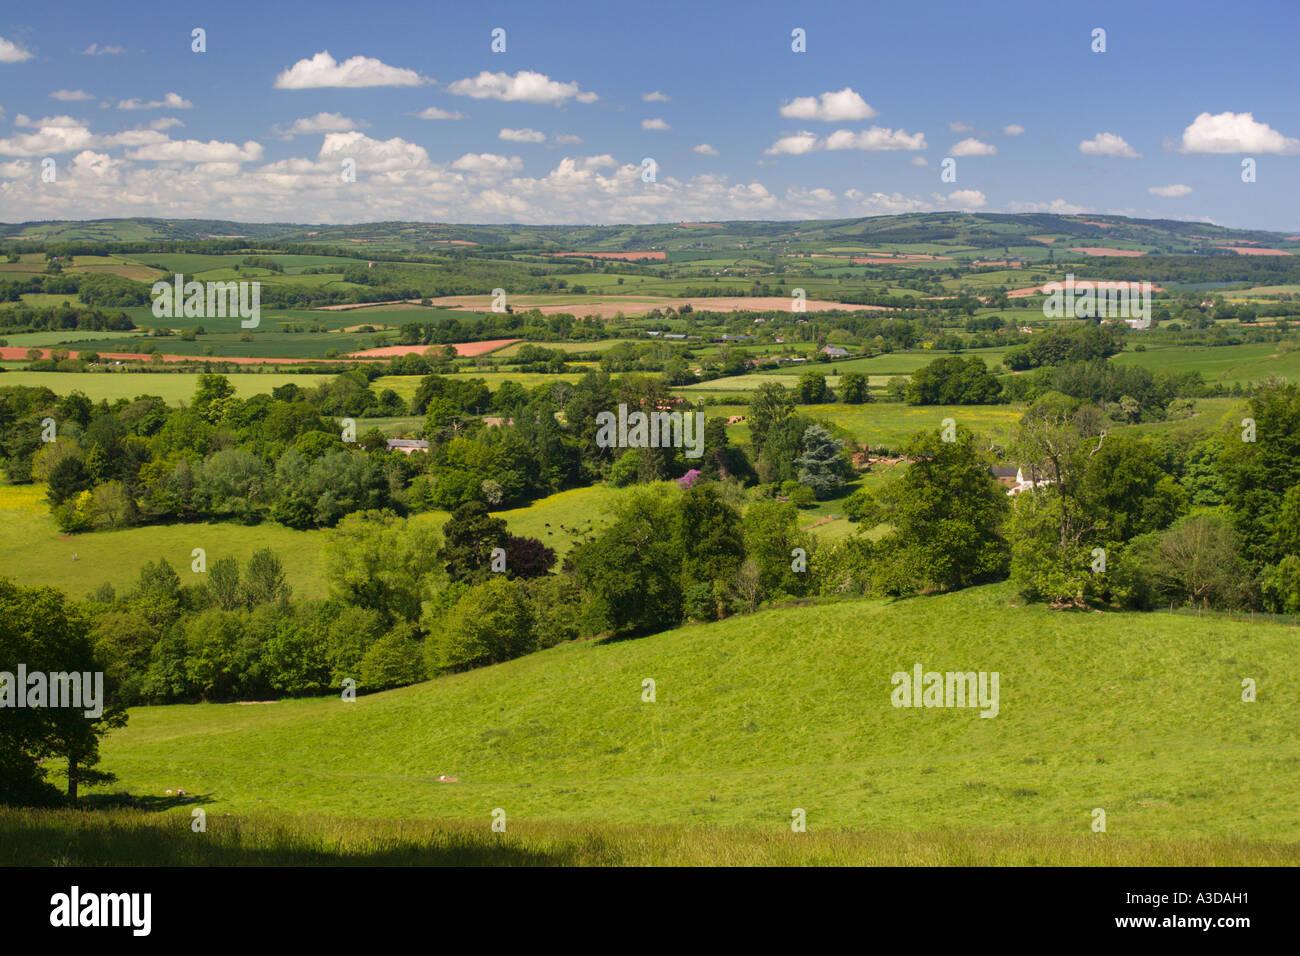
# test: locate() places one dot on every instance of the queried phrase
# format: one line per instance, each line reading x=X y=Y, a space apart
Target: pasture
x=788 y=708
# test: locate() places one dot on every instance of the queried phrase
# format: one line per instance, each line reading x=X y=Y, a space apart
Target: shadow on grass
x=143 y=838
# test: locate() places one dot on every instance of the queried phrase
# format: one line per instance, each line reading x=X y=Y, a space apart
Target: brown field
x=1253 y=251
x=1097 y=285
x=1105 y=251
x=20 y=354
x=626 y=256
x=1090 y=222
x=1043 y=238
x=464 y=349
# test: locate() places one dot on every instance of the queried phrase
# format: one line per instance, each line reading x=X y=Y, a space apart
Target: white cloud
x=967 y=198
x=886 y=204
x=1058 y=206
x=919 y=161
x=1013 y=129
x=654 y=124
x=655 y=97
x=875 y=139
x=1235 y=133
x=322 y=70
x=1170 y=192
x=1108 y=144
x=165 y=122
x=839 y=107
x=525 y=86
x=70 y=95
x=19 y=167
x=11 y=52
x=48 y=140
x=796 y=145
x=972 y=147
x=67 y=122
x=172 y=101
x=320 y=123
x=957 y=126
x=488 y=163
x=704 y=149
x=96 y=50
x=522 y=136
x=194 y=151
x=568 y=139
x=433 y=113
x=372 y=155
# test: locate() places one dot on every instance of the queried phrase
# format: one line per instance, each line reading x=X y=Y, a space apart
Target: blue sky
x=554 y=130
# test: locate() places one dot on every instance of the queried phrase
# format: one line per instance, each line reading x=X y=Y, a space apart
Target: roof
x=407 y=443
x=1004 y=471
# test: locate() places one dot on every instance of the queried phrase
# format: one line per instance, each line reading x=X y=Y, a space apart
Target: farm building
x=408 y=445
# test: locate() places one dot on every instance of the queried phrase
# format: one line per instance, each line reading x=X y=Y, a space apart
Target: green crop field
x=1229 y=364
x=173 y=387
x=790 y=708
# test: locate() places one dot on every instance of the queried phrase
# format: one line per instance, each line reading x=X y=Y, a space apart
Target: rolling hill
x=1139 y=715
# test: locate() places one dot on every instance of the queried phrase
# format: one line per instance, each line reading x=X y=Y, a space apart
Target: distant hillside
x=979 y=230
x=1140 y=715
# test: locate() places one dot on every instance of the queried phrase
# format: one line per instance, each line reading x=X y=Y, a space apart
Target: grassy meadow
x=788 y=708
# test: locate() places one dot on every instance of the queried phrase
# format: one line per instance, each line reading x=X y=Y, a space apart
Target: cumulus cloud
x=972 y=147
x=654 y=124
x=919 y=161
x=373 y=155
x=957 y=126
x=525 y=86
x=1235 y=133
x=795 y=145
x=1013 y=129
x=1058 y=206
x=15 y=169
x=522 y=136
x=567 y=139
x=194 y=151
x=320 y=123
x=1170 y=192
x=704 y=149
x=11 y=52
x=872 y=140
x=886 y=204
x=655 y=97
x=165 y=122
x=48 y=140
x=967 y=198
x=1108 y=144
x=172 y=101
x=838 y=107
x=487 y=163
x=433 y=113
x=67 y=122
x=70 y=95
x=96 y=50
x=322 y=70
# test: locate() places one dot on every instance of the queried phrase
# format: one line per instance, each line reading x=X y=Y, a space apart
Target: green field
x=173 y=387
x=33 y=551
x=790 y=708
x=1229 y=364
x=141 y=838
